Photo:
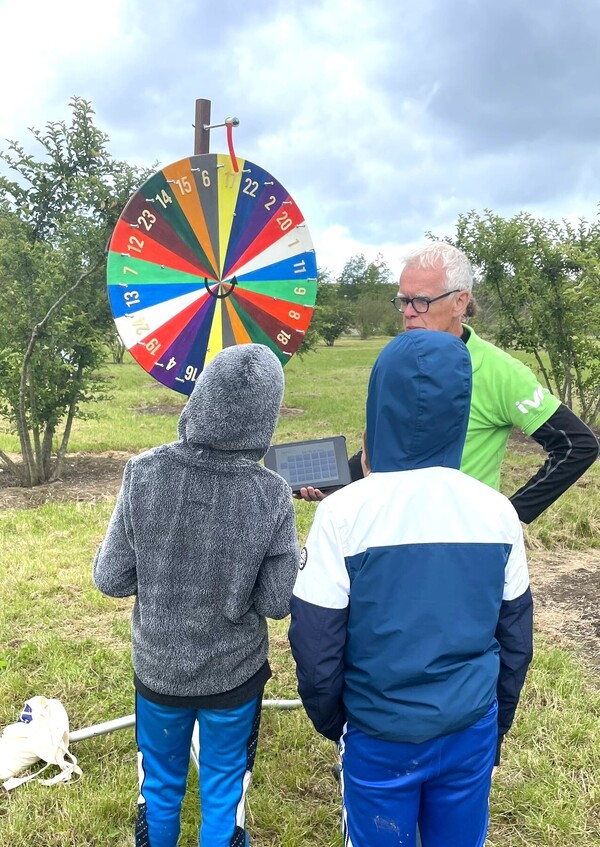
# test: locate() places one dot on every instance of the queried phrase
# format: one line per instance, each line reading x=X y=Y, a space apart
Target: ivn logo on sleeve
x=535 y=403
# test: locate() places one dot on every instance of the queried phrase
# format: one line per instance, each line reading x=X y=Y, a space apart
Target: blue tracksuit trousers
x=442 y=785
x=227 y=748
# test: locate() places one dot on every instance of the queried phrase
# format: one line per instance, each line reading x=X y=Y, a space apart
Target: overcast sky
x=382 y=118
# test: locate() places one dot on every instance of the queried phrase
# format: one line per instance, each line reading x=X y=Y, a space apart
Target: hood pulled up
x=418 y=402
x=235 y=403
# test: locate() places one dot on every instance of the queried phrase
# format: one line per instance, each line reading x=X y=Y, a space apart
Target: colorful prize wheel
x=204 y=257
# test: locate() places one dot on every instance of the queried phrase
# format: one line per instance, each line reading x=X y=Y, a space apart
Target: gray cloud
x=385 y=119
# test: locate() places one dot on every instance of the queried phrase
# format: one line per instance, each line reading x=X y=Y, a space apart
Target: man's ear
x=461 y=302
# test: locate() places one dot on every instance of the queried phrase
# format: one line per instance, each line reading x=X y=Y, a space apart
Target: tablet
x=322 y=463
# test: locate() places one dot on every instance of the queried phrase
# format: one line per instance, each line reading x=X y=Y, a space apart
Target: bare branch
x=10 y=466
x=60 y=456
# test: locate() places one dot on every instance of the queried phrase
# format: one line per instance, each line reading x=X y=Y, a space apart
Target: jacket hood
x=418 y=402
x=235 y=403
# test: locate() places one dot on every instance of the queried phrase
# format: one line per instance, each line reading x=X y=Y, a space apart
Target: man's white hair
x=459 y=273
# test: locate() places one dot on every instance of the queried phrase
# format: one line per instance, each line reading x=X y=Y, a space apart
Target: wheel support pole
x=202 y=135
x=129 y=720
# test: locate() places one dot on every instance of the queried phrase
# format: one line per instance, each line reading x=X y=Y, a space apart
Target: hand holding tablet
x=320 y=464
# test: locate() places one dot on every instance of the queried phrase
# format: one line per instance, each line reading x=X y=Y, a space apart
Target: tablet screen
x=322 y=463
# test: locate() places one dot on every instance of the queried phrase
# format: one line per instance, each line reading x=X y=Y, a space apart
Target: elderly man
x=434 y=292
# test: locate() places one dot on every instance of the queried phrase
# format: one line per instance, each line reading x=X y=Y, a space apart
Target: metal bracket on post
x=226 y=122
x=203 y=126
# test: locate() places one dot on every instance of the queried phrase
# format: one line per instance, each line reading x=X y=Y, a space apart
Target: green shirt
x=506 y=393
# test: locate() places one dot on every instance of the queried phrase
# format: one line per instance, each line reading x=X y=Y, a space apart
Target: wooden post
x=201 y=135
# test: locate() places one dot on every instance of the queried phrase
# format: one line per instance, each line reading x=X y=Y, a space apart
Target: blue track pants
x=227 y=748
x=442 y=785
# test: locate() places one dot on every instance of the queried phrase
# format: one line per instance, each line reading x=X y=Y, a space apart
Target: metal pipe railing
x=129 y=720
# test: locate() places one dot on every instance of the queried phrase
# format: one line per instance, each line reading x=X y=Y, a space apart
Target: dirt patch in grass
x=87 y=478
x=565 y=584
x=566 y=588
x=159 y=409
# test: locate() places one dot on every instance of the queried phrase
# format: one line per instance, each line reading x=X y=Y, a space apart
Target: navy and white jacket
x=412 y=609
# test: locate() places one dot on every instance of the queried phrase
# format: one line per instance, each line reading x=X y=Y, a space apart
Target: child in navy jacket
x=412 y=615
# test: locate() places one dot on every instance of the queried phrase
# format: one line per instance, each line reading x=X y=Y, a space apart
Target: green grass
x=61 y=638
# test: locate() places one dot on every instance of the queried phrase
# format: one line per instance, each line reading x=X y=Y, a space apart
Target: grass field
x=61 y=638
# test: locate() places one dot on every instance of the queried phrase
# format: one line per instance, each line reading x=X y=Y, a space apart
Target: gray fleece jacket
x=205 y=536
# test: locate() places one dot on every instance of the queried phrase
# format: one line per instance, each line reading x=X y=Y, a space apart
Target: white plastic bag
x=41 y=732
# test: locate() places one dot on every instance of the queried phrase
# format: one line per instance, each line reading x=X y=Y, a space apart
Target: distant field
x=61 y=638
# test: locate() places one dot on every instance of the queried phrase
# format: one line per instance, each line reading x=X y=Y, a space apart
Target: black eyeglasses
x=419 y=304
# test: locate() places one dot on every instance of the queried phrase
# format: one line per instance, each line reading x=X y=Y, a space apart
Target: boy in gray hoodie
x=204 y=537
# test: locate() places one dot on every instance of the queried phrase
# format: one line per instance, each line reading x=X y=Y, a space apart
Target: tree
x=311 y=339
x=117 y=348
x=359 y=277
x=55 y=221
x=333 y=313
x=541 y=281
x=369 y=287
x=374 y=314
x=310 y=342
